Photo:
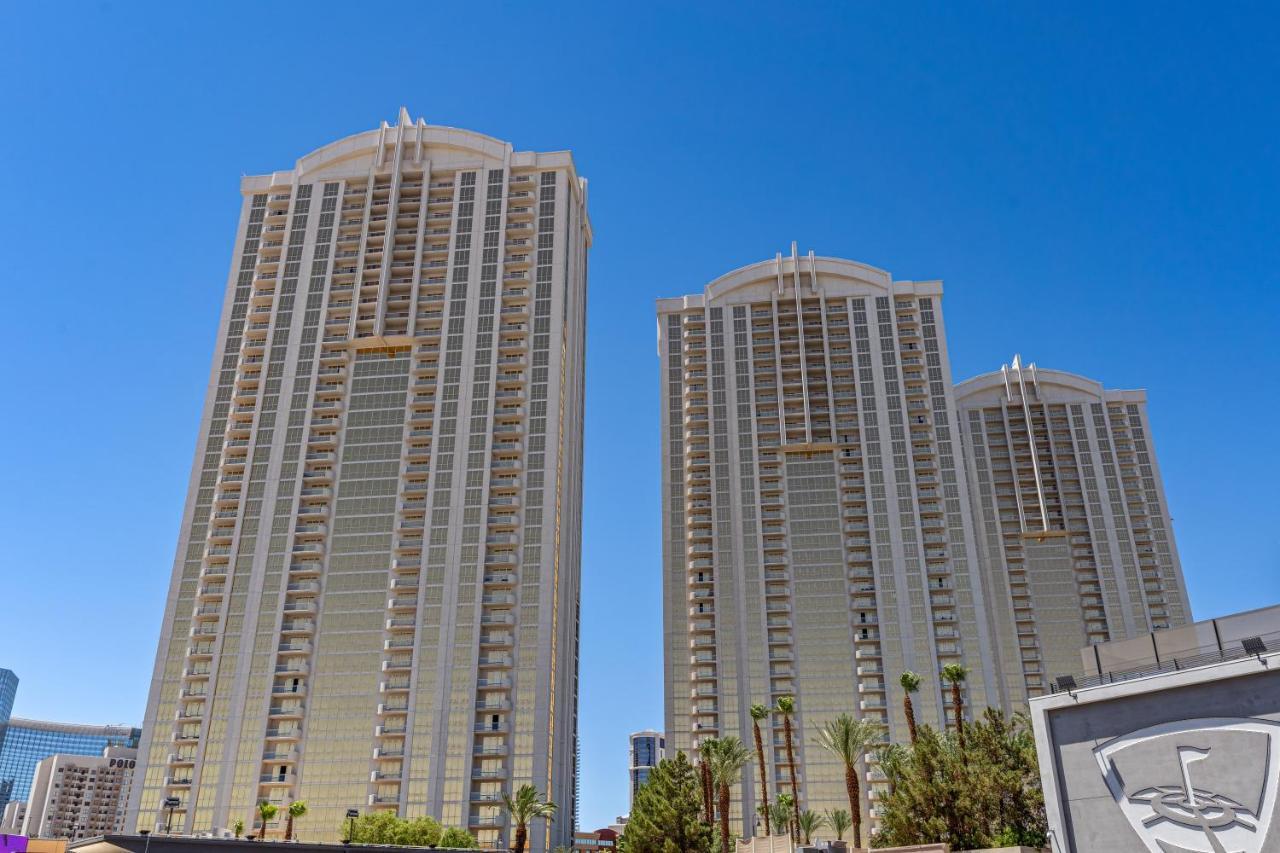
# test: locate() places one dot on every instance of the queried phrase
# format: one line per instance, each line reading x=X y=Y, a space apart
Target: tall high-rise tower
x=374 y=603
x=1074 y=529
x=817 y=534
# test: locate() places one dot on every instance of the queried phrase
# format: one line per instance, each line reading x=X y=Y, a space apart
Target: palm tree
x=296 y=809
x=266 y=811
x=785 y=707
x=891 y=758
x=839 y=821
x=955 y=674
x=237 y=826
x=809 y=823
x=728 y=757
x=848 y=739
x=910 y=682
x=758 y=713
x=524 y=807
x=781 y=813
x=705 y=750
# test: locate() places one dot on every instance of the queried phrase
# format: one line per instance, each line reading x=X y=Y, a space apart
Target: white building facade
x=374 y=603
x=77 y=796
x=1074 y=529
x=817 y=534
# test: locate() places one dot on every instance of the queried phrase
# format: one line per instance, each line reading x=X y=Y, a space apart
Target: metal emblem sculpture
x=1196 y=786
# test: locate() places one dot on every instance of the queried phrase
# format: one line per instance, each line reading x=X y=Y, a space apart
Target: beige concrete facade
x=374 y=599
x=1074 y=530
x=77 y=796
x=817 y=537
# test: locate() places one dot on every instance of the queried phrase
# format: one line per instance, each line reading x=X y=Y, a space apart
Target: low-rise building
x=593 y=842
x=74 y=796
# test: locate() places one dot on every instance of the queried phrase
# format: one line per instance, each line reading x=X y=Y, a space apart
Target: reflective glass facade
x=647 y=749
x=27 y=742
x=374 y=600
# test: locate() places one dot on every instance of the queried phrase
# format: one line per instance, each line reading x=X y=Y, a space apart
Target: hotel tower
x=1074 y=530
x=817 y=532
x=374 y=603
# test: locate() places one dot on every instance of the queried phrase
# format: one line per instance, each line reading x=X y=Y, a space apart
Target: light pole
x=352 y=814
x=170 y=803
x=146 y=833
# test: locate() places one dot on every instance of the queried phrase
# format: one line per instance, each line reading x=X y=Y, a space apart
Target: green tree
x=381 y=827
x=266 y=812
x=786 y=707
x=761 y=712
x=848 y=740
x=910 y=682
x=982 y=793
x=782 y=812
x=955 y=674
x=809 y=823
x=666 y=816
x=237 y=826
x=726 y=759
x=418 y=832
x=526 y=805
x=456 y=839
x=839 y=821
x=295 y=810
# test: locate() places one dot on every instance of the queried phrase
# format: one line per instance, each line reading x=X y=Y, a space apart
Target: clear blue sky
x=1096 y=186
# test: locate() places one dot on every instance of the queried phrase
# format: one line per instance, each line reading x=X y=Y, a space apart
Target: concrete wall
x=1117 y=760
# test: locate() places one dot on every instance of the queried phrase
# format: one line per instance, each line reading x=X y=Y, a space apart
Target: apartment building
x=27 y=742
x=1074 y=530
x=647 y=749
x=76 y=796
x=817 y=534
x=12 y=816
x=374 y=602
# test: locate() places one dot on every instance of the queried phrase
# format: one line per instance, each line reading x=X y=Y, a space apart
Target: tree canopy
x=667 y=814
x=984 y=793
x=385 y=828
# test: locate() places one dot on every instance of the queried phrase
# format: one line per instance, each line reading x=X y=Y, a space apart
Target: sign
x=1196 y=786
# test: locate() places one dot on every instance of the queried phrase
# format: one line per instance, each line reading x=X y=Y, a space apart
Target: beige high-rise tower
x=817 y=537
x=1075 y=535
x=374 y=603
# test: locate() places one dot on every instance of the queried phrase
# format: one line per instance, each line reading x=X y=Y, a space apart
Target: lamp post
x=170 y=803
x=146 y=834
x=352 y=814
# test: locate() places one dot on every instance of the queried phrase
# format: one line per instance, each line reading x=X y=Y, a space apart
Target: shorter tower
x=647 y=749
x=1074 y=533
x=27 y=742
x=816 y=539
x=75 y=796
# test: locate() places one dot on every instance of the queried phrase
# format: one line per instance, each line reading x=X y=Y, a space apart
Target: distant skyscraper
x=647 y=749
x=8 y=691
x=1075 y=533
x=374 y=603
x=817 y=539
x=27 y=742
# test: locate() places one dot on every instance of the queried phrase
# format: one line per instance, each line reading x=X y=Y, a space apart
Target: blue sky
x=1095 y=185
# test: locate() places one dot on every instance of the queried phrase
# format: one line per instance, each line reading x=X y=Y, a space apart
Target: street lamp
x=352 y=814
x=170 y=803
x=146 y=834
